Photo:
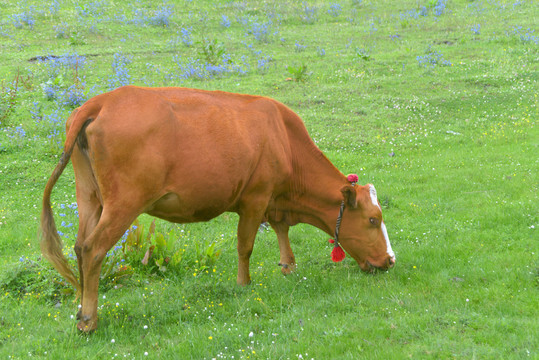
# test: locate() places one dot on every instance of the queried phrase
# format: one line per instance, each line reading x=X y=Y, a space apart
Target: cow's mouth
x=369 y=267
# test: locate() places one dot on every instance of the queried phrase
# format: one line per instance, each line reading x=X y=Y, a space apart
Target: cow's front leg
x=287 y=260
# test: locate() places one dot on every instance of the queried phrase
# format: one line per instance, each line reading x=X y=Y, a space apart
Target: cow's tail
x=51 y=244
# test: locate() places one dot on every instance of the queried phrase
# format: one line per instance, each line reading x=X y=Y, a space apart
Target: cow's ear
x=349 y=193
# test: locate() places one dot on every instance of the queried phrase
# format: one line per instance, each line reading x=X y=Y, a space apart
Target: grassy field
x=433 y=101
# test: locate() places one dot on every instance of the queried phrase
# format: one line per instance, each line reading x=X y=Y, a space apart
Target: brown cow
x=187 y=155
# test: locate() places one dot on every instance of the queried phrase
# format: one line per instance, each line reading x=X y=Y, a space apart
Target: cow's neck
x=315 y=195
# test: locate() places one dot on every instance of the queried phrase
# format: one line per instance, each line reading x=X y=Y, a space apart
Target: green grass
x=452 y=149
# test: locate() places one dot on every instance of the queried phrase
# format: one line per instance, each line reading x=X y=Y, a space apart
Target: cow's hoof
x=87 y=325
x=243 y=282
x=286 y=269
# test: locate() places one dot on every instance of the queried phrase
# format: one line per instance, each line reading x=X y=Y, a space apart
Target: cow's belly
x=171 y=208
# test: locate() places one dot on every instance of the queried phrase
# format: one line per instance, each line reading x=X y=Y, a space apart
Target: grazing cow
x=187 y=155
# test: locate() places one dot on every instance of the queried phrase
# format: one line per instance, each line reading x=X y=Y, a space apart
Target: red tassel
x=331 y=241
x=353 y=178
x=337 y=254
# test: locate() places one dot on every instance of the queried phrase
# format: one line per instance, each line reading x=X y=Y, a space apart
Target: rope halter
x=338 y=254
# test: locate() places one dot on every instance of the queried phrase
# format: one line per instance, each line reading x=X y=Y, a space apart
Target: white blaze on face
x=374 y=199
x=389 y=249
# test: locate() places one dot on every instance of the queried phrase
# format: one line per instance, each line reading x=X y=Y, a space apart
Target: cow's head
x=363 y=233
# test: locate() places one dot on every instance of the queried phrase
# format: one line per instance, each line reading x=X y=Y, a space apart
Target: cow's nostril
x=391 y=261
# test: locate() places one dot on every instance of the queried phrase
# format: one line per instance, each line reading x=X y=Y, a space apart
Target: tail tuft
x=51 y=244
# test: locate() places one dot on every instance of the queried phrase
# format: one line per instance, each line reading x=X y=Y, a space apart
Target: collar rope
x=338 y=254
x=338 y=226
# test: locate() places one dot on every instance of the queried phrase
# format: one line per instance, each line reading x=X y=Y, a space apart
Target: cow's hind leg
x=287 y=260
x=111 y=226
x=89 y=207
x=89 y=213
x=251 y=217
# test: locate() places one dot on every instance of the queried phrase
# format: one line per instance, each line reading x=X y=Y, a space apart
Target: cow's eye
x=373 y=221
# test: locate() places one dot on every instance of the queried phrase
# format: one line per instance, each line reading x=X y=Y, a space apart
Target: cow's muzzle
x=372 y=267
